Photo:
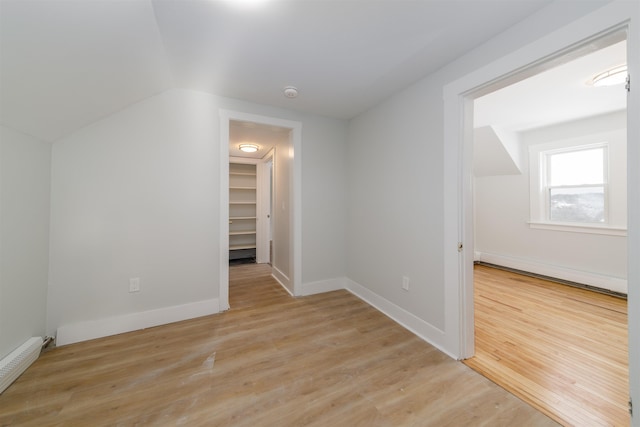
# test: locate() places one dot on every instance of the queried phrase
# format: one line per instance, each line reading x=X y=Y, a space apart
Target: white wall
x=395 y=201
x=282 y=175
x=324 y=201
x=396 y=219
x=502 y=211
x=24 y=237
x=136 y=195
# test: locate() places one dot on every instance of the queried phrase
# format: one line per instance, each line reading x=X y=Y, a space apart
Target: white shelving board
x=242 y=210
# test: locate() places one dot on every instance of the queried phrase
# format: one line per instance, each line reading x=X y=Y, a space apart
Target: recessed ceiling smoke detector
x=290 y=92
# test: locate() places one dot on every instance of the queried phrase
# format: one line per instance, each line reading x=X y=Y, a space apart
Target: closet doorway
x=260 y=200
x=252 y=149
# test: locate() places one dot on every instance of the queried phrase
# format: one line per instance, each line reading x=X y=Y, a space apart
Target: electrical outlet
x=405 y=283
x=134 y=284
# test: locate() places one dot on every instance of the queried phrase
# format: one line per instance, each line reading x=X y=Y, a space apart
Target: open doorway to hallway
x=252 y=149
x=286 y=201
x=549 y=198
x=259 y=179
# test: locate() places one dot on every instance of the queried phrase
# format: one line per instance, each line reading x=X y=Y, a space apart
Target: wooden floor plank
x=321 y=360
x=562 y=349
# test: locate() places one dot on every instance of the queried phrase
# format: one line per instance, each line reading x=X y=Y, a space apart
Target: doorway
x=519 y=190
x=459 y=96
x=252 y=149
x=278 y=212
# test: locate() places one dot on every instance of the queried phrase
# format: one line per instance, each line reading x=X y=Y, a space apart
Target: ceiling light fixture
x=613 y=76
x=248 y=148
x=290 y=92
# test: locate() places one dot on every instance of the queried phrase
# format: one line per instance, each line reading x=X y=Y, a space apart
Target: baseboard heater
x=554 y=279
x=16 y=362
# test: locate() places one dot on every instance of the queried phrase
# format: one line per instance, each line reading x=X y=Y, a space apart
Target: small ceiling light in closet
x=248 y=148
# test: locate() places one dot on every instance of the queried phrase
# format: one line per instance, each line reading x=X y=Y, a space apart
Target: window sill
x=582 y=228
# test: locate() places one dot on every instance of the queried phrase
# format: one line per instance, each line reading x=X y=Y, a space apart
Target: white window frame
x=545 y=160
x=540 y=191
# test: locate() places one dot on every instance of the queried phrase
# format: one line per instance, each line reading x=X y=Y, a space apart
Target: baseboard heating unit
x=16 y=362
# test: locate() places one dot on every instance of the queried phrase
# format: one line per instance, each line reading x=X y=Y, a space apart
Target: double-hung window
x=575 y=187
x=579 y=188
x=579 y=183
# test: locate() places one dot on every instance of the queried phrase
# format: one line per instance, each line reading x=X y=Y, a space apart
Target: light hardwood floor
x=272 y=360
x=562 y=349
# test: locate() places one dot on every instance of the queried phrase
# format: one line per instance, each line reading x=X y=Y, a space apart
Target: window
x=576 y=184
x=579 y=184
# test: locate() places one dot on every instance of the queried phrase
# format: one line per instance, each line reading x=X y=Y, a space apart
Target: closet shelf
x=243 y=189
x=239 y=233
x=238 y=247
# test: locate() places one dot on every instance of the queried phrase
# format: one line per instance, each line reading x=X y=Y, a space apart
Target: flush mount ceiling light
x=613 y=76
x=248 y=148
x=290 y=92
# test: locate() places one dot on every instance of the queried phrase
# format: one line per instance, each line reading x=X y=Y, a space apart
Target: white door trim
x=264 y=197
x=295 y=188
x=458 y=152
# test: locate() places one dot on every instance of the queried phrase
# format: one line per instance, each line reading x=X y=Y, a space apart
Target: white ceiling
x=264 y=136
x=67 y=63
x=560 y=94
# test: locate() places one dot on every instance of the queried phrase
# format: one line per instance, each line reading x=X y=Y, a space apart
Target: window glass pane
x=584 y=204
x=577 y=167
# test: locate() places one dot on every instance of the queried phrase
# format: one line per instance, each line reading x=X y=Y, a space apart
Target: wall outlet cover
x=134 y=284
x=405 y=283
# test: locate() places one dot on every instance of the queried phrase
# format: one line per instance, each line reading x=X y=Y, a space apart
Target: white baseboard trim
x=91 y=329
x=322 y=286
x=592 y=279
x=409 y=321
x=282 y=278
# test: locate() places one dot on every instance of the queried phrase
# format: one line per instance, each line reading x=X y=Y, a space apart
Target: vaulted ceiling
x=67 y=63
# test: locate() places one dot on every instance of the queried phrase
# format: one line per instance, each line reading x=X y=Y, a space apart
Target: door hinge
x=630 y=407
x=459 y=246
x=627 y=85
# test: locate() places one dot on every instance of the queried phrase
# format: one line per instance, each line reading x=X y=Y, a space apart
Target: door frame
x=295 y=194
x=264 y=202
x=458 y=154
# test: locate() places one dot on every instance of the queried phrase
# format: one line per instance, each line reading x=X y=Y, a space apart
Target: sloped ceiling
x=495 y=152
x=67 y=63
